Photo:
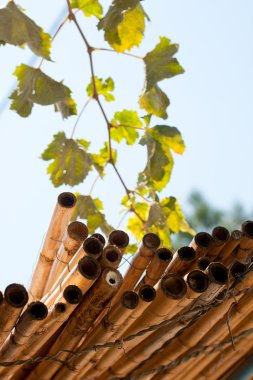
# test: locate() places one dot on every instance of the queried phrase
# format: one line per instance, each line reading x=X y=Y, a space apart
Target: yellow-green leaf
x=88 y=7
x=169 y=137
x=124 y=125
x=154 y=101
x=101 y=159
x=18 y=29
x=36 y=87
x=103 y=87
x=131 y=248
x=89 y=209
x=70 y=161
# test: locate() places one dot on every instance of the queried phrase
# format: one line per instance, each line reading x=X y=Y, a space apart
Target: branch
x=79 y=117
x=119 y=52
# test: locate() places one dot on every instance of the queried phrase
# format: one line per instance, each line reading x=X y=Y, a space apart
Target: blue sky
x=210 y=105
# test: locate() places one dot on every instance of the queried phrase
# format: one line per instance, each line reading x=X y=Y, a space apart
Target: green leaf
x=155 y=102
x=124 y=24
x=169 y=137
x=160 y=63
x=103 y=88
x=71 y=162
x=101 y=159
x=89 y=7
x=124 y=126
x=36 y=87
x=18 y=29
x=89 y=209
x=132 y=249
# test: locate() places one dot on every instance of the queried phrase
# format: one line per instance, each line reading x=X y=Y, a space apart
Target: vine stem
x=79 y=116
x=119 y=52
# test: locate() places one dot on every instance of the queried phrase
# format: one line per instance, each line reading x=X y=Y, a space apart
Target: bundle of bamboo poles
x=81 y=319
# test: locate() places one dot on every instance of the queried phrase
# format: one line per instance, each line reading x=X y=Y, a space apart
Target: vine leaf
x=89 y=7
x=18 y=29
x=36 y=87
x=159 y=64
x=100 y=160
x=123 y=126
x=71 y=162
x=159 y=141
x=124 y=24
x=90 y=209
x=103 y=87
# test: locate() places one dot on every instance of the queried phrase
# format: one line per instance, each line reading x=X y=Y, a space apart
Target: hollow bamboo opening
x=77 y=231
x=203 y=240
x=60 y=307
x=173 y=286
x=238 y=269
x=151 y=240
x=218 y=273
x=247 y=228
x=112 y=254
x=16 y=295
x=220 y=234
x=89 y=267
x=198 y=281
x=99 y=237
x=119 y=238
x=203 y=263
x=147 y=293
x=130 y=299
x=37 y=310
x=186 y=253
x=164 y=254
x=72 y=294
x=67 y=200
x=93 y=247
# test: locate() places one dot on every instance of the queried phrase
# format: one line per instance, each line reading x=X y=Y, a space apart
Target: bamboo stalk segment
x=99 y=237
x=220 y=237
x=244 y=250
x=225 y=254
x=81 y=320
x=111 y=257
x=83 y=275
x=203 y=263
x=156 y=268
x=75 y=235
x=107 y=330
x=58 y=224
x=201 y=243
x=15 y=298
x=120 y=239
x=182 y=260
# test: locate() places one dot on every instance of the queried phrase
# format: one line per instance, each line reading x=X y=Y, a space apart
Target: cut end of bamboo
x=37 y=310
x=247 y=229
x=220 y=234
x=151 y=240
x=164 y=254
x=77 y=231
x=60 y=307
x=198 y=281
x=99 y=237
x=147 y=293
x=16 y=295
x=186 y=253
x=218 y=273
x=119 y=238
x=112 y=277
x=130 y=299
x=72 y=294
x=67 y=200
x=236 y=234
x=238 y=269
x=89 y=267
x=112 y=254
x=93 y=247
x=173 y=286
x=203 y=240
x=203 y=263
x=1 y=297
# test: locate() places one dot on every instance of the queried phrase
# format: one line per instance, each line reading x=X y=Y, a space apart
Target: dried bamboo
x=120 y=239
x=220 y=238
x=81 y=320
x=40 y=342
x=225 y=254
x=156 y=267
x=83 y=275
x=58 y=224
x=15 y=298
x=244 y=250
x=141 y=259
x=203 y=263
x=75 y=235
x=107 y=330
x=182 y=260
x=201 y=243
x=99 y=237
x=111 y=257
x=25 y=327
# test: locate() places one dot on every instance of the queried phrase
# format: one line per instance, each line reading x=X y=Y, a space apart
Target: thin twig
x=79 y=116
x=119 y=52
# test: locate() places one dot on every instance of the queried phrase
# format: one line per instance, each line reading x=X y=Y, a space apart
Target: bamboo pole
x=156 y=268
x=40 y=342
x=99 y=237
x=120 y=239
x=15 y=298
x=147 y=294
x=95 y=300
x=83 y=275
x=75 y=235
x=203 y=263
x=244 y=250
x=182 y=261
x=58 y=224
x=225 y=255
x=201 y=243
x=141 y=259
x=111 y=257
x=107 y=330
x=220 y=237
